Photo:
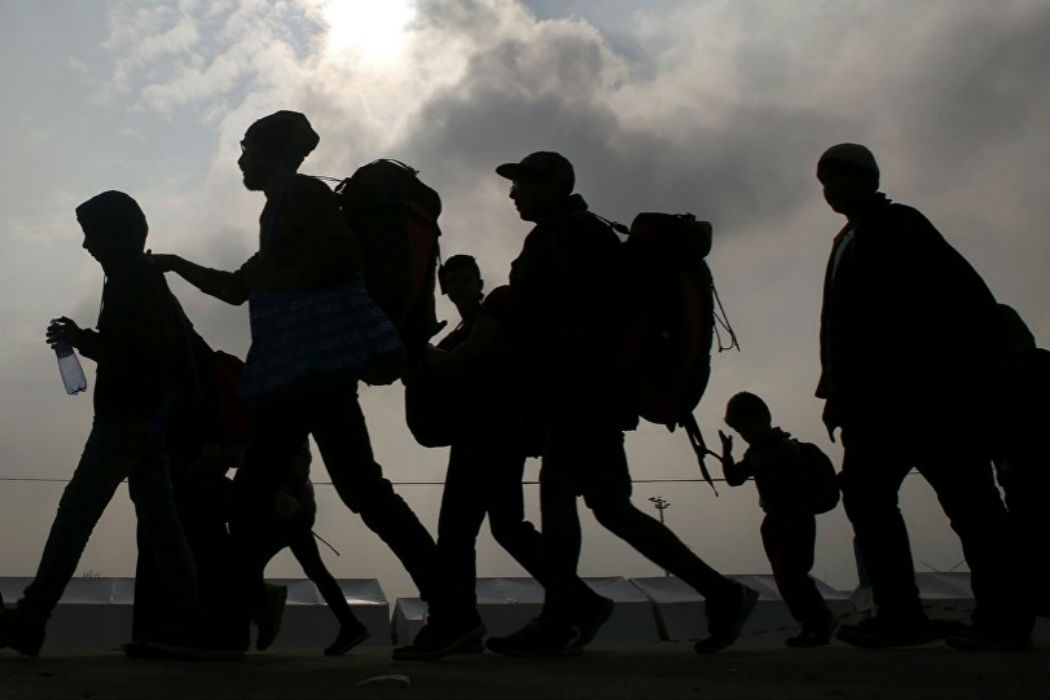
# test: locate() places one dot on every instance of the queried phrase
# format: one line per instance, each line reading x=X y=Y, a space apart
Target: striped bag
x=310 y=339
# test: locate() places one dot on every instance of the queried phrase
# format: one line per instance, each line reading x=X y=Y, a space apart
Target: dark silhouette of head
x=274 y=147
x=749 y=415
x=540 y=183
x=460 y=278
x=850 y=177
x=114 y=227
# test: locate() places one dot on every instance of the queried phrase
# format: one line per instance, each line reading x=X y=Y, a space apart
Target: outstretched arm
x=226 y=286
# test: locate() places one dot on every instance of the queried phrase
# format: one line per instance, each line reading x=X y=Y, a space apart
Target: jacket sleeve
x=737 y=473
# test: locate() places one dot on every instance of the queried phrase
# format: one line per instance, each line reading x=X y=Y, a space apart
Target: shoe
x=19 y=633
x=725 y=619
x=269 y=615
x=350 y=635
x=540 y=638
x=879 y=632
x=591 y=620
x=982 y=639
x=813 y=637
x=438 y=639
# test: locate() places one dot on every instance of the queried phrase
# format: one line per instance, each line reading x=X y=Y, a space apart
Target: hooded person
x=140 y=348
x=315 y=334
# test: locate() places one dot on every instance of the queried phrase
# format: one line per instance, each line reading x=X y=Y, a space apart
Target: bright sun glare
x=374 y=29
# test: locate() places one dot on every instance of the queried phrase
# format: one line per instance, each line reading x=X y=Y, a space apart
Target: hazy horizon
x=715 y=107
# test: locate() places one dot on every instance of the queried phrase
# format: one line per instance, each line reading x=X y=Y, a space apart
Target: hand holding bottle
x=62 y=335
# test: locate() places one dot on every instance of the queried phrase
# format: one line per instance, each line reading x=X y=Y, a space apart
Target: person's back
x=775 y=461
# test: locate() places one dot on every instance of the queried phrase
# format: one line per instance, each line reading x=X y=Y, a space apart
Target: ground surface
x=665 y=670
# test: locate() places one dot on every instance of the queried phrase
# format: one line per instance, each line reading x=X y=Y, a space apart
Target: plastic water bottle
x=68 y=364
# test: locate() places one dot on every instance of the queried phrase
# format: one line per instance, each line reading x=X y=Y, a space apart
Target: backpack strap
x=699 y=447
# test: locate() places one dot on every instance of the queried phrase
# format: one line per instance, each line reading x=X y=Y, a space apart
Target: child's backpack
x=672 y=319
x=395 y=217
x=821 y=486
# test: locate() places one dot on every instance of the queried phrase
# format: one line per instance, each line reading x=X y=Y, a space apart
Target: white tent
x=308 y=622
x=97 y=612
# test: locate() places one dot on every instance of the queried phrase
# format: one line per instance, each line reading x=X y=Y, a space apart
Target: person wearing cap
x=305 y=245
x=140 y=347
x=566 y=331
x=908 y=351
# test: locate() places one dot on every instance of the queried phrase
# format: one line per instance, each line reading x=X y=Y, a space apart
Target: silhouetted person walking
x=143 y=368
x=908 y=352
x=291 y=526
x=306 y=247
x=789 y=529
x=487 y=457
x=567 y=303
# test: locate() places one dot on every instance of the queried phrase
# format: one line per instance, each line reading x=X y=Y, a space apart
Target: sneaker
x=595 y=614
x=982 y=639
x=813 y=637
x=439 y=639
x=879 y=632
x=19 y=633
x=350 y=635
x=725 y=619
x=269 y=615
x=540 y=638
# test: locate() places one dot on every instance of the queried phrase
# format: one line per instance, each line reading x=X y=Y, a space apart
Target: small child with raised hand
x=795 y=480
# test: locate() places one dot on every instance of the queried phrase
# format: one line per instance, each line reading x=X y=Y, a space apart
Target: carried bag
x=435 y=400
x=303 y=339
x=395 y=216
x=821 y=486
x=673 y=319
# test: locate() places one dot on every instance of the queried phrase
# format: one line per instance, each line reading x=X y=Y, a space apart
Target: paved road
x=663 y=670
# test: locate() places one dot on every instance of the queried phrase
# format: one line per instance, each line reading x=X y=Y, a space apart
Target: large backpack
x=395 y=217
x=673 y=319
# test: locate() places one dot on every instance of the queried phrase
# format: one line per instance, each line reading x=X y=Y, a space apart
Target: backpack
x=672 y=319
x=820 y=483
x=395 y=217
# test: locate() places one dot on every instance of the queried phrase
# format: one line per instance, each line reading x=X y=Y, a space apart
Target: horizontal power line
x=530 y=482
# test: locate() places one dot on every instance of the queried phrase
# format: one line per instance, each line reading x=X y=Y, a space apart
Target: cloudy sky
x=710 y=106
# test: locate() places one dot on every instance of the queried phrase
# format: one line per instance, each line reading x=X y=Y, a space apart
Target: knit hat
x=287 y=131
x=853 y=158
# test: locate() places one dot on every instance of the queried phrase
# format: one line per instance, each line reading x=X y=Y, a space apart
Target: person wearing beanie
x=141 y=350
x=307 y=251
x=908 y=354
x=565 y=329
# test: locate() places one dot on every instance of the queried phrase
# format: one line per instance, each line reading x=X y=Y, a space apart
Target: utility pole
x=661 y=505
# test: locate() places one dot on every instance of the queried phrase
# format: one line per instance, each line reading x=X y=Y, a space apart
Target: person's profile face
x=258 y=165
x=843 y=191
x=463 y=285
x=532 y=198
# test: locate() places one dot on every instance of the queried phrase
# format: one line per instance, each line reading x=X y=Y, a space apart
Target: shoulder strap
x=699 y=447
